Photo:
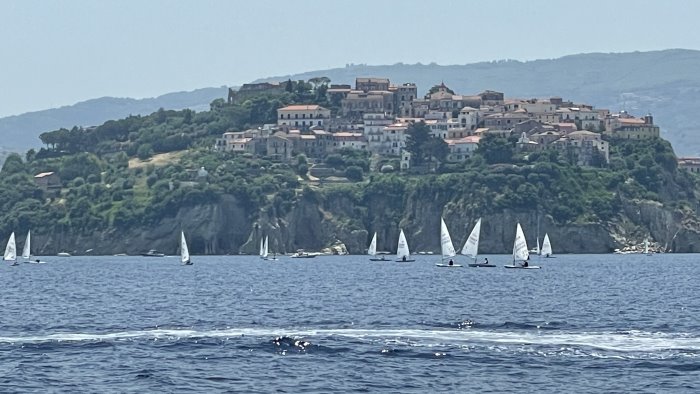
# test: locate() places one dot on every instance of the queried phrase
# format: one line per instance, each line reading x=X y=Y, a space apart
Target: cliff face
x=314 y=223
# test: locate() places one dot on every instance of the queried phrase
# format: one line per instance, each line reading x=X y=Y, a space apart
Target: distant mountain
x=664 y=83
x=21 y=132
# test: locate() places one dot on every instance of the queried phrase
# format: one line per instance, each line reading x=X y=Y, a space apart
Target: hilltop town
x=375 y=116
x=311 y=164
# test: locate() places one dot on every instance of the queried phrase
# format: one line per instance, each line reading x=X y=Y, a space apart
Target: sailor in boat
x=451 y=262
x=486 y=261
x=525 y=263
x=403 y=258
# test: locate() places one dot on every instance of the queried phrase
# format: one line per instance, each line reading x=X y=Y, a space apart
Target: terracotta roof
x=583 y=133
x=301 y=108
x=471 y=139
x=632 y=121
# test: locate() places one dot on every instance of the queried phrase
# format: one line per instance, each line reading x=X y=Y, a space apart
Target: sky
x=55 y=53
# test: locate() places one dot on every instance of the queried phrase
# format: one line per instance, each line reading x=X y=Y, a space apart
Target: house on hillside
x=279 y=147
x=49 y=182
x=303 y=117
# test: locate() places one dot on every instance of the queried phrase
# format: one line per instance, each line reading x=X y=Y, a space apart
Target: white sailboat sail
x=448 y=250
x=264 y=249
x=471 y=247
x=184 y=250
x=520 y=251
x=646 y=246
x=537 y=249
x=546 y=246
x=372 y=250
x=10 y=249
x=27 y=250
x=402 y=248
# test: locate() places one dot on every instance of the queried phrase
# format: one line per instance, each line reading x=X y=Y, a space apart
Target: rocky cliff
x=317 y=221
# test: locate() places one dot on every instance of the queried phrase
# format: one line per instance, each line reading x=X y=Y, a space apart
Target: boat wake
x=613 y=344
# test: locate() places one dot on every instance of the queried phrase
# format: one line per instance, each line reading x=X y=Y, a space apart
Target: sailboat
x=646 y=247
x=184 y=250
x=402 y=252
x=471 y=247
x=547 y=247
x=520 y=252
x=536 y=250
x=372 y=250
x=11 y=250
x=448 y=250
x=27 y=250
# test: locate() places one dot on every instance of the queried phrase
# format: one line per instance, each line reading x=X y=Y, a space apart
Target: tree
x=495 y=149
x=145 y=151
x=13 y=165
x=436 y=149
x=418 y=136
x=354 y=173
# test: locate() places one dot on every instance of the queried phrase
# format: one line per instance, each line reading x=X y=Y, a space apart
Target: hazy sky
x=57 y=53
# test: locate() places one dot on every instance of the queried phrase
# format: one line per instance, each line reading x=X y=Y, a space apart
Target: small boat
x=372 y=250
x=471 y=247
x=300 y=254
x=11 y=250
x=403 y=254
x=547 y=247
x=520 y=251
x=63 y=254
x=184 y=250
x=446 y=246
x=153 y=253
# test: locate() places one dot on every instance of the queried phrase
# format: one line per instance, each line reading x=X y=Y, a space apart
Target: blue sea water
x=583 y=323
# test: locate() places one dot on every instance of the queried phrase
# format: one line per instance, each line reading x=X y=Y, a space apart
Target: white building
x=468 y=118
x=303 y=117
x=390 y=141
x=462 y=148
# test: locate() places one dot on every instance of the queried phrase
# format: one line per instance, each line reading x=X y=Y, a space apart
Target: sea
x=343 y=324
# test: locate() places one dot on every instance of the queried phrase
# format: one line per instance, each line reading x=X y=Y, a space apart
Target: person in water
x=451 y=262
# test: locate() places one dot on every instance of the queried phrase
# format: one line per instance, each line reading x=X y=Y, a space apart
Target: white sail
x=520 y=251
x=402 y=248
x=537 y=249
x=471 y=247
x=27 y=250
x=646 y=246
x=11 y=249
x=372 y=250
x=264 y=250
x=546 y=246
x=448 y=250
x=260 y=251
x=184 y=250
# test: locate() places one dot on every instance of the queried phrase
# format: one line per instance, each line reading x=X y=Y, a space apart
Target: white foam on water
x=628 y=341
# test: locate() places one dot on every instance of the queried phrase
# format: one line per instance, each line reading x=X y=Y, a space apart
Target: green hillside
x=130 y=176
